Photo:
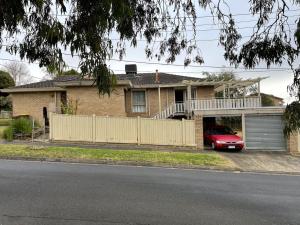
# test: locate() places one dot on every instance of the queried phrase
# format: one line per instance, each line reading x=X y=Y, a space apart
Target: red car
x=222 y=137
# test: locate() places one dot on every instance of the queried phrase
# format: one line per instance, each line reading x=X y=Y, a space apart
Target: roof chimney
x=131 y=69
x=157 y=77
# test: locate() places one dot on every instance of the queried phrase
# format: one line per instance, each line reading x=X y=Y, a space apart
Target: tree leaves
x=292 y=118
x=86 y=29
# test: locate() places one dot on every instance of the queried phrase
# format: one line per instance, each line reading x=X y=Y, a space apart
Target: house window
x=138 y=101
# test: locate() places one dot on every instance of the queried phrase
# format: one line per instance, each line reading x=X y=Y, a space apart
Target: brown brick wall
x=205 y=92
x=90 y=102
x=293 y=143
x=199 y=132
x=152 y=103
x=32 y=104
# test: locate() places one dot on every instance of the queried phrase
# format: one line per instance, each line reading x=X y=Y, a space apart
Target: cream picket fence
x=133 y=130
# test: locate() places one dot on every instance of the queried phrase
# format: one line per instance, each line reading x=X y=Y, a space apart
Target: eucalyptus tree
x=168 y=27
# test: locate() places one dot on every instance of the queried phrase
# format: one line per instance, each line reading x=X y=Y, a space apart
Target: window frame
x=132 y=100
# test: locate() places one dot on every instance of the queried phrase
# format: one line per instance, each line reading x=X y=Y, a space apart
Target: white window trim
x=146 y=103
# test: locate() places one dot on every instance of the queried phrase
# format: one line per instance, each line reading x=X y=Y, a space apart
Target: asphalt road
x=56 y=193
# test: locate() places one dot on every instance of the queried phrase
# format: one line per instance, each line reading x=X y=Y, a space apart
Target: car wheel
x=213 y=146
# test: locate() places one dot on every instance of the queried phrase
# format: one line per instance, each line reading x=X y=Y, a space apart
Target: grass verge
x=2 y=128
x=5 y=122
x=136 y=157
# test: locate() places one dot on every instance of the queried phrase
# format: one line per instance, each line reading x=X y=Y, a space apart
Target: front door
x=179 y=96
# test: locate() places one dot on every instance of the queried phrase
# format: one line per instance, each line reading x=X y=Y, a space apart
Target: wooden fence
x=134 y=130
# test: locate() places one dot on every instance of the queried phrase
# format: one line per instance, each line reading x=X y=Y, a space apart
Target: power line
x=216 y=29
x=199 y=17
x=258 y=70
x=177 y=65
x=237 y=22
x=162 y=64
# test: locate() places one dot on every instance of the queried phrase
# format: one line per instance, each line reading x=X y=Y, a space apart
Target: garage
x=264 y=132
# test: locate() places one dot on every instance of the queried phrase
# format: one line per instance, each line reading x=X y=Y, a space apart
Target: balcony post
x=189 y=97
x=159 y=100
x=259 y=97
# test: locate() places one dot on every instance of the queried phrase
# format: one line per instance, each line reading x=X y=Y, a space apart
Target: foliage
x=224 y=76
x=70 y=106
x=8 y=134
x=292 y=118
x=22 y=126
x=266 y=100
x=168 y=29
x=69 y=72
x=53 y=73
x=5 y=103
x=6 y=80
x=19 y=72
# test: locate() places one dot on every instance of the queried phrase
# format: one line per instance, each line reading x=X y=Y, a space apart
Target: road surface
x=43 y=193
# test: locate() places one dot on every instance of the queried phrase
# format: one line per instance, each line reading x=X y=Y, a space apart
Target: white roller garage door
x=264 y=132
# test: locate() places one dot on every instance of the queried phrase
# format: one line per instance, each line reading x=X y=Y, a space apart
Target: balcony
x=223 y=103
x=209 y=104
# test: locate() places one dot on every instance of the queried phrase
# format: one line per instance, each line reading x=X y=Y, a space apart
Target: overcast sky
x=276 y=83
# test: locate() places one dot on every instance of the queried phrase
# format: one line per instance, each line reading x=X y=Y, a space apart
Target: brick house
x=159 y=96
x=136 y=94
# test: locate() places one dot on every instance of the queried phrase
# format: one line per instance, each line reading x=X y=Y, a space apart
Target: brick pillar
x=199 y=132
x=293 y=145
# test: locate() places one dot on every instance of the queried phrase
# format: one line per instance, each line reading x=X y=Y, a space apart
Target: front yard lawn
x=136 y=157
x=2 y=128
x=5 y=122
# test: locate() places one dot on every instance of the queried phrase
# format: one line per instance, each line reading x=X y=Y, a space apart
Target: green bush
x=22 y=126
x=8 y=134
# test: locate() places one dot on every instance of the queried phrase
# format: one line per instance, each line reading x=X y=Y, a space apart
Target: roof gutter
x=22 y=90
x=85 y=83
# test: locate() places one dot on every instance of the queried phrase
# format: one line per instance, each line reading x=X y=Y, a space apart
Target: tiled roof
x=149 y=78
x=139 y=79
x=41 y=84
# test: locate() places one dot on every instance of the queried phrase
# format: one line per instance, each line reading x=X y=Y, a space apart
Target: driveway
x=265 y=161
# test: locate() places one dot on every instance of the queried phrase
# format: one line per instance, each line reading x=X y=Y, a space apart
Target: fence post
x=50 y=126
x=138 y=130
x=106 y=128
x=94 y=128
x=32 y=131
x=183 y=142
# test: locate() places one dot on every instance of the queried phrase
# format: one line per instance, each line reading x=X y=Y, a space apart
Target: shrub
x=22 y=126
x=8 y=134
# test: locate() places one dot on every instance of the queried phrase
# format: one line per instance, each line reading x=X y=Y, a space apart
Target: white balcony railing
x=225 y=103
x=209 y=104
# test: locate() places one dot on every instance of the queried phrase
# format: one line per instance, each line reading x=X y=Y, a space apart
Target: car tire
x=213 y=146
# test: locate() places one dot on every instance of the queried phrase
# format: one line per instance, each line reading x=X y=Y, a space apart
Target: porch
x=229 y=95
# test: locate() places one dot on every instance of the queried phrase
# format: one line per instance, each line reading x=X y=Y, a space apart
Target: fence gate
x=264 y=132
